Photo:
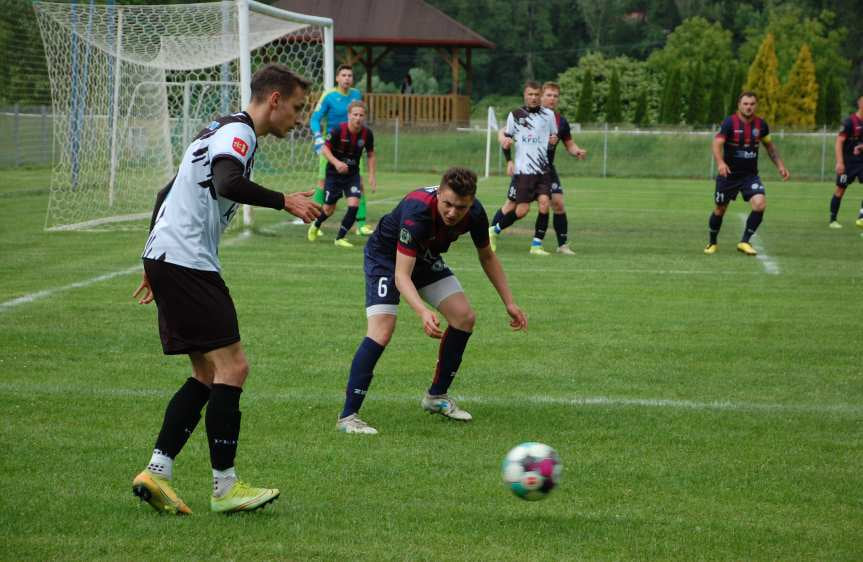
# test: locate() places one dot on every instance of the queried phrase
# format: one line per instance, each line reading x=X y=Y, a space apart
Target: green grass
x=703 y=408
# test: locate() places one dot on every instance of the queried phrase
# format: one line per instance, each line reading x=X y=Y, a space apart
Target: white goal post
x=131 y=85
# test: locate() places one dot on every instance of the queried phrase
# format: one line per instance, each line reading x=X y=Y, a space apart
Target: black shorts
x=336 y=186
x=852 y=172
x=528 y=187
x=728 y=188
x=196 y=312
x=554 y=185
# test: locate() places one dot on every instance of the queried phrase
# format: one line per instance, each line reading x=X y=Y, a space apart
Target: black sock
x=561 y=228
x=360 y=377
x=752 y=223
x=223 y=425
x=541 y=225
x=347 y=222
x=182 y=416
x=834 y=207
x=507 y=220
x=451 y=350
x=714 y=224
x=320 y=220
x=497 y=217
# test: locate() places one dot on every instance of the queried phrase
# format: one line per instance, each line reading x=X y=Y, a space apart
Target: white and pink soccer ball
x=531 y=470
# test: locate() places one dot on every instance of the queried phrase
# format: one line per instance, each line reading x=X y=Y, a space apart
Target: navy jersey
x=563 y=134
x=415 y=228
x=852 y=133
x=742 y=139
x=348 y=147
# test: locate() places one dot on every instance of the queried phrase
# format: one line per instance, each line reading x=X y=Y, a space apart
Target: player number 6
x=382 y=287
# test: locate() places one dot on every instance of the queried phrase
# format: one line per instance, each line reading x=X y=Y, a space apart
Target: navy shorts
x=434 y=282
x=336 y=186
x=852 y=172
x=728 y=188
x=554 y=182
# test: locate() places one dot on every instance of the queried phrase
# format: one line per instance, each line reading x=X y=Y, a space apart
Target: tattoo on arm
x=773 y=153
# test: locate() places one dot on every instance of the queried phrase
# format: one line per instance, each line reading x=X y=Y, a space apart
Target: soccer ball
x=531 y=470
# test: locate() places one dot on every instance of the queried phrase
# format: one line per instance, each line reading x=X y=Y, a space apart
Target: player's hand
x=319 y=143
x=431 y=324
x=552 y=140
x=723 y=170
x=518 y=318
x=506 y=143
x=144 y=287
x=840 y=168
x=783 y=171
x=300 y=205
x=510 y=168
x=373 y=183
x=341 y=167
x=580 y=153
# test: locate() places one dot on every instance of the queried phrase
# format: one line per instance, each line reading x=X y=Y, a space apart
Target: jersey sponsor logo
x=240 y=146
x=405 y=236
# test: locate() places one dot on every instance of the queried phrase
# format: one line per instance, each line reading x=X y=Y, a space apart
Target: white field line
x=574 y=402
x=38 y=295
x=771 y=266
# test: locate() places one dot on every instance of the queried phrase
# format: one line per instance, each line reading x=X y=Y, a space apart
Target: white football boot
x=445 y=406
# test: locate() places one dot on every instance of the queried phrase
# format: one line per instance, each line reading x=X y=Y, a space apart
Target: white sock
x=223 y=480
x=161 y=465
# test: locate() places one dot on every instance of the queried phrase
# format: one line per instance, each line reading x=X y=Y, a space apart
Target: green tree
x=613 y=112
x=833 y=104
x=736 y=88
x=673 y=103
x=695 y=40
x=821 y=107
x=584 y=113
x=799 y=99
x=695 y=97
x=641 y=117
x=716 y=106
x=763 y=79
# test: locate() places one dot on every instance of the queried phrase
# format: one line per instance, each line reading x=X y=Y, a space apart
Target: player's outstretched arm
x=773 y=153
x=574 y=149
x=373 y=168
x=405 y=285
x=494 y=271
x=301 y=205
x=840 y=157
x=721 y=167
x=340 y=166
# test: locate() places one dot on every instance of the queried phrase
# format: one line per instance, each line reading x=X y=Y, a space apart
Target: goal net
x=132 y=85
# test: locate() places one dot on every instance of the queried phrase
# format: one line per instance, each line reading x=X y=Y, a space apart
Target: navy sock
x=347 y=222
x=223 y=425
x=541 y=226
x=360 y=378
x=320 y=220
x=497 y=217
x=714 y=224
x=752 y=223
x=507 y=220
x=182 y=416
x=452 y=347
x=561 y=228
x=834 y=207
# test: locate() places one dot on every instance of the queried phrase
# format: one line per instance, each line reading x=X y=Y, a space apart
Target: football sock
x=714 y=224
x=360 y=377
x=541 y=226
x=318 y=197
x=451 y=350
x=752 y=223
x=347 y=222
x=506 y=221
x=497 y=216
x=320 y=220
x=223 y=425
x=561 y=228
x=834 y=207
x=161 y=464
x=181 y=418
x=361 y=211
x=223 y=480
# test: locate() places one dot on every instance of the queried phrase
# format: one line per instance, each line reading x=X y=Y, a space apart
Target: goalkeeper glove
x=319 y=143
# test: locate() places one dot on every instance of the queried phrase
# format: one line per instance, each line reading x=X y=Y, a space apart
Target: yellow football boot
x=157 y=492
x=242 y=497
x=746 y=248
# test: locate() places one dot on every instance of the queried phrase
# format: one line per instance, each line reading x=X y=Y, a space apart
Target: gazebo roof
x=397 y=23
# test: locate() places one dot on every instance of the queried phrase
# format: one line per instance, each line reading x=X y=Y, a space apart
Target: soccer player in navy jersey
x=343 y=149
x=735 y=149
x=403 y=258
x=849 y=161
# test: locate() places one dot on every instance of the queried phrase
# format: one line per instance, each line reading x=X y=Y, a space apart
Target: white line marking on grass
x=771 y=266
x=38 y=295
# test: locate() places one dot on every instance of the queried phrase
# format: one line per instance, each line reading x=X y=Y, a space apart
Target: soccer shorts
x=195 y=309
x=434 y=284
x=728 y=188
x=338 y=185
x=852 y=172
x=554 y=182
x=528 y=187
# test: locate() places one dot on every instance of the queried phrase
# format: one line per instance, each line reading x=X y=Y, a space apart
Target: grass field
x=704 y=407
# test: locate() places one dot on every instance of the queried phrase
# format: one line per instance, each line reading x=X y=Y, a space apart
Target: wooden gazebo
x=362 y=25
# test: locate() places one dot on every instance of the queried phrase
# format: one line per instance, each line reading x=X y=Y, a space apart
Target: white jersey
x=190 y=222
x=530 y=129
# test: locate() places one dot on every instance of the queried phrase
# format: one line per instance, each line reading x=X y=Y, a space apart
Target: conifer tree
x=715 y=109
x=821 y=108
x=613 y=110
x=736 y=88
x=674 y=103
x=641 y=118
x=763 y=79
x=584 y=112
x=833 y=104
x=695 y=97
x=799 y=99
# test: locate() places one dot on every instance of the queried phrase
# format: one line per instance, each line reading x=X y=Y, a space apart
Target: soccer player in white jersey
x=195 y=310
x=530 y=128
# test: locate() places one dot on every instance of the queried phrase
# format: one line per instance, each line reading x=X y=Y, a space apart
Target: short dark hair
x=747 y=94
x=461 y=180
x=532 y=84
x=344 y=67
x=276 y=78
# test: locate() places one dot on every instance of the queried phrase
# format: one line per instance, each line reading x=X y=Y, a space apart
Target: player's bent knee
x=840 y=192
x=467 y=321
